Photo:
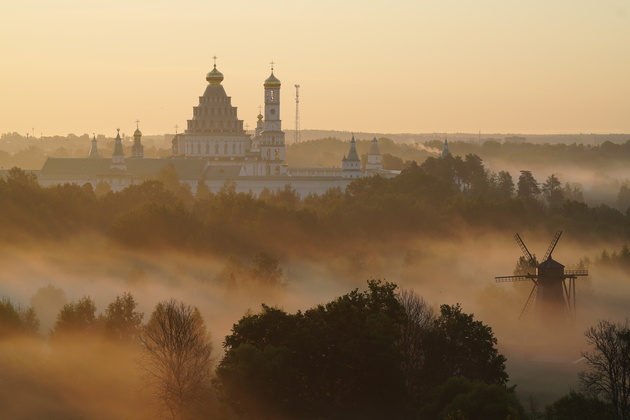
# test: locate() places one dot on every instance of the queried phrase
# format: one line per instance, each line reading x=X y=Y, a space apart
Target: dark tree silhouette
x=528 y=188
x=608 y=374
x=461 y=346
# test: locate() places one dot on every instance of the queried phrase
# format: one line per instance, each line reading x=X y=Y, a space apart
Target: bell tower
x=272 y=137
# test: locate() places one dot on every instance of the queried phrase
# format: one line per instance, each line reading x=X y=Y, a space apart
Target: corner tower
x=374 y=160
x=351 y=165
x=94 y=153
x=272 y=136
x=118 y=157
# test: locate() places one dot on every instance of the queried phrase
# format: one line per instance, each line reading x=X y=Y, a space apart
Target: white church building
x=215 y=149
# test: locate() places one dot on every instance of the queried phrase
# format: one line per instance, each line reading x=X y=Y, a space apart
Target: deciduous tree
x=608 y=374
x=415 y=330
x=16 y=320
x=177 y=357
x=461 y=346
x=461 y=398
x=122 y=321
x=577 y=406
x=76 y=317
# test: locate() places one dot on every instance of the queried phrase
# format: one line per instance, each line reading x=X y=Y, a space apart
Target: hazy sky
x=537 y=66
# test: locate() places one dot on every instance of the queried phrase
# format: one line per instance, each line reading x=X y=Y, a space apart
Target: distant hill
x=411 y=138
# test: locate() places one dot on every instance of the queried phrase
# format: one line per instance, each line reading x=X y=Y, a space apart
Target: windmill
x=554 y=287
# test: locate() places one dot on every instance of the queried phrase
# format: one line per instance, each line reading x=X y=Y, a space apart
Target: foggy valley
x=439 y=231
x=412 y=210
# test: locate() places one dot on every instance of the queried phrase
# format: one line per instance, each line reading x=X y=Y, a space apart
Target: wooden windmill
x=554 y=287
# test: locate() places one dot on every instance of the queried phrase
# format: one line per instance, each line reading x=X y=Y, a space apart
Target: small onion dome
x=137 y=133
x=272 y=82
x=260 y=117
x=175 y=140
x=215 y=77
x=285 y=164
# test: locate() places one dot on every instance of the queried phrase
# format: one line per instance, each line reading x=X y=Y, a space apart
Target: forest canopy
x=438 y=197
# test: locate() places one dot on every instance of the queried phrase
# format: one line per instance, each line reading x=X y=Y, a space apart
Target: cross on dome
x=215 y=77
x=272 y=63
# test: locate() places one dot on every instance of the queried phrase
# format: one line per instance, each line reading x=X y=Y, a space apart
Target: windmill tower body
x=550 y=301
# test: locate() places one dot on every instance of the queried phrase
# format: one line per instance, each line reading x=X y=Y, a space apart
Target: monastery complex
x=215 y=150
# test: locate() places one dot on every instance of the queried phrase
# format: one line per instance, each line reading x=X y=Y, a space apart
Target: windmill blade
x=525 y=250
x=554 y=241
x=524 y=277
x=530 y=300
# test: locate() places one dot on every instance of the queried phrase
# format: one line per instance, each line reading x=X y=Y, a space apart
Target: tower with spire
x=374 y=160
x=94 y=149
x=445 y=151
x=351 y=164
x=137 y=150
x=272 y=137
x=118 y=157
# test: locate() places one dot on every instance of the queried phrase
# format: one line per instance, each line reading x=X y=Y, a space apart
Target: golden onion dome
x=214 y=77
x=272 y=82
x=137 y=133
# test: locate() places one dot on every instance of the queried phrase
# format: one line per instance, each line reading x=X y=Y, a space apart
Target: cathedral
x=215 y=150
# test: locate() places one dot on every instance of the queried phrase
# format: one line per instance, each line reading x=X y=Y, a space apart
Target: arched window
x=277 y=154
x=216 y=148
x=233 y=149
x=225 y=150
x=268 y=154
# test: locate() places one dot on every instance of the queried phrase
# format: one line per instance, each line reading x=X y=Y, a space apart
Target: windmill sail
x=554 y=241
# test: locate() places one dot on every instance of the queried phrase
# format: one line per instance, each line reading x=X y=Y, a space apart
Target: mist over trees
x=385 y=352
x=375 y=353
x=369 y=354
x=440 y=195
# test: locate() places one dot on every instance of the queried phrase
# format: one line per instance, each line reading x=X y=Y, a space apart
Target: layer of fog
x=443 y=272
